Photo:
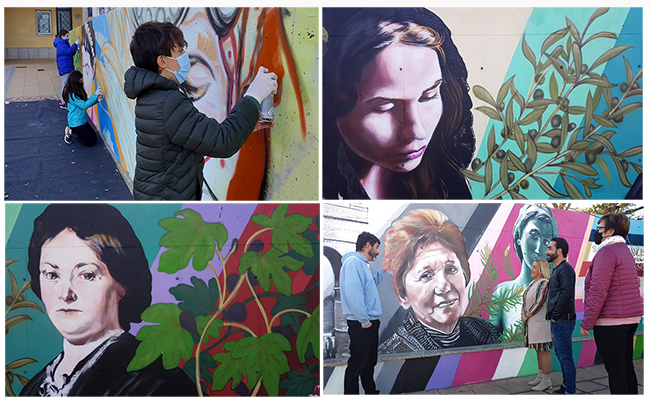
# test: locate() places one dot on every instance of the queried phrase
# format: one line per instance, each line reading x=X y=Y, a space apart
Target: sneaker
x=67 y=137
x=561 y=390
x=63 y=105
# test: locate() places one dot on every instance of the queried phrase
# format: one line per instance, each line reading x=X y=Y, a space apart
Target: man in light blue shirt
x=360 y=303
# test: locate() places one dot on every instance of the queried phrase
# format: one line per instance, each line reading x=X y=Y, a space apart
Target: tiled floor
x=33 y=80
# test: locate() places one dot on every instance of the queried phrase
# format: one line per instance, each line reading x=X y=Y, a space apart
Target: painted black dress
x=103 y=373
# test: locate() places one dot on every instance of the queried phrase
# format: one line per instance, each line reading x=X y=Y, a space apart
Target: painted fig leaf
x=229 y=368
x=264 y=358
x=189 y=238
x=311 y=263
x=290 y=319
x=309 y=333
x=213 y=331
x=299 y=384
x=206 y=363
x=200 y=299
x=286 y=230
x=270 y=264
x=168 y=338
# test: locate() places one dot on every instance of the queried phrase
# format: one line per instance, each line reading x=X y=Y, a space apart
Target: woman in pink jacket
x=613 y=303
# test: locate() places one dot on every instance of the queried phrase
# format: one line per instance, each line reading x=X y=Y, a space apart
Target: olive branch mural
x=208 y=315
x=16 y=300
x=480 y=296
x=572 y=151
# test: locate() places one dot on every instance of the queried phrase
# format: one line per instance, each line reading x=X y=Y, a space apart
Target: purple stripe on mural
x=443 y=375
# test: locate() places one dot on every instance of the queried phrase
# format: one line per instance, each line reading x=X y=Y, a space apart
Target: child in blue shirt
x=64 y=55
x=78 y=102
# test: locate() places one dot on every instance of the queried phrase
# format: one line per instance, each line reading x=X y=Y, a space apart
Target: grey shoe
x=67 y=137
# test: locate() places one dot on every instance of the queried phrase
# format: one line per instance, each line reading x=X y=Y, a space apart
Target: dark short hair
x=153 y=39
x=62 y=32
x=111 y=236
x=364 y=238
x=562 y=244
x=620 y=223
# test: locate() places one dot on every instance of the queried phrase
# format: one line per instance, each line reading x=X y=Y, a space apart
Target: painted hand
x=584 y=332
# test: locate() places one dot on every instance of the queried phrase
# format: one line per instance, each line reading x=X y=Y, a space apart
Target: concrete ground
x=590 y=380
x=31 y=80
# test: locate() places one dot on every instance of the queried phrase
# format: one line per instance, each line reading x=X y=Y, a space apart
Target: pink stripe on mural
x=587 y=354
x=476 y=367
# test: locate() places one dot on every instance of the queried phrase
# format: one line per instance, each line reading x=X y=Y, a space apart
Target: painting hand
x=264 y=125
x=264 y=84
x=78 y=42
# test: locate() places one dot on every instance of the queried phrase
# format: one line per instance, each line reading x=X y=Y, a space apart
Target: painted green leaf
x=14 y=284
x=503 y=91
x=532 y=116
x=264 y=357
x=200 y=299
x=213 y=331
x=632 y=151
x=572 y=28
x=598 y=13
x=484 y=95
x=309 y=334
x=625 y=110
x=637 y=168
x=558 y=65
x=552 y=86
x=610 y=54
x=488 y=176
x=564 y=128
x=545 y=148
x=528 y=52
x=632 y=93
x=517 y=97
x=503 y=174
x=580 y=168
x=491 y=112
x=604 y=121
x=12 y=321
x=286 y=230
x=597 y=82
x=205 y=364
x=491 y=145
x=571 y=189
x=588 y=113
x=472 y=175
x=540 y=103
x=605 y=168
x=26 y=304
x=604 y=141
x=516 y=162
x=553 y=38
x=621 y=173
x=290 y=319
x=599 y=35
x=629 y=75
x=532 y=151
x=576 y=110
x=311 y=264
x=300 y=384
x=520 y=138
x=547 y=188
x=229 y=368
x=168 y=338
x=270 y=264
x=189 y=238
x=516 y=195
x=591 y=183
x=510 y=116
x=577 y=57
x=19 y=363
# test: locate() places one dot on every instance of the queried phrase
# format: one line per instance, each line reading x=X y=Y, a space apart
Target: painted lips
x=447 y=303
x=415 y=154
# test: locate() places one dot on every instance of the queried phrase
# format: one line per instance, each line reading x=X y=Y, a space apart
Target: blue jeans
x=562 y=331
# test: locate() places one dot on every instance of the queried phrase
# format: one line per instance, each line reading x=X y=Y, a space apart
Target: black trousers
x=86 y=134
x=616 y=347
x=363 y=358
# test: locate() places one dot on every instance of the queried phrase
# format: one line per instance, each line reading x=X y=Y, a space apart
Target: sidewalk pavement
x=38 y=163
x=590 y=380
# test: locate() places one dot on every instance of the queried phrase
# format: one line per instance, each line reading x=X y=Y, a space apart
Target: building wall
x=268 y=314
x=488 y=230
x=21 y=40
x=228 y=45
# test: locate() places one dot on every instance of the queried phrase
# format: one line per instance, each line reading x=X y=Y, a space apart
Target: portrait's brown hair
x=419 y=229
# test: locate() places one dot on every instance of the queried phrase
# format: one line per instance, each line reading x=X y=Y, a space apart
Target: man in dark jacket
x=64 y=61
x=172 y=135
x=561 y=311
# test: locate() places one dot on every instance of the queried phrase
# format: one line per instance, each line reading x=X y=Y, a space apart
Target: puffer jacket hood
x=64 y=53
x=138 y=81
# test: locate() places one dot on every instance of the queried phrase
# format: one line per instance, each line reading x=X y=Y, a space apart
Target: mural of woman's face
x=79 y=293
x=435 y=287
x=535 y=238
x=398 y=108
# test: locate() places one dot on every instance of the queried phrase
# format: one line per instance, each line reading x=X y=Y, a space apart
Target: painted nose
x=413 y=125
x=68 y=295
x=441 y=285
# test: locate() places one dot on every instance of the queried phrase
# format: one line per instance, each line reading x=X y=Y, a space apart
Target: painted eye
x=383 y=107
x=50 y=275
x=430 y=95
x=87 y=276
x=451 y=270
x=425 y=276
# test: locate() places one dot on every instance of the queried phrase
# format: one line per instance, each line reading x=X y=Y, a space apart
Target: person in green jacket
x=172 y=135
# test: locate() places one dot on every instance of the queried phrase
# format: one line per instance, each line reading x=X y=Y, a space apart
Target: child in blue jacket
x=64 y=58
x=78 y=102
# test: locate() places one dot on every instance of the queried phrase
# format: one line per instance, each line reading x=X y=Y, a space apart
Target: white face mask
x=184 y=67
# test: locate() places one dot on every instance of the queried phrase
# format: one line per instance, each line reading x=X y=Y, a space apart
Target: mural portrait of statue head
x=427 y=257
x=396 y=106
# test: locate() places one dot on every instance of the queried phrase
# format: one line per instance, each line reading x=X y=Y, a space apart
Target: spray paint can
x=266 y=109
